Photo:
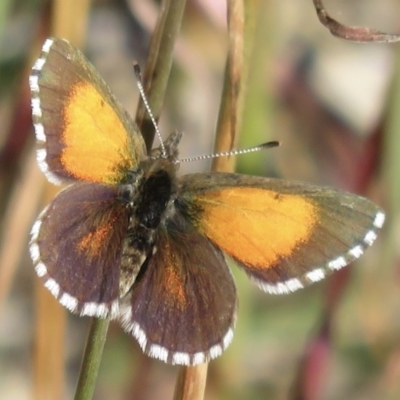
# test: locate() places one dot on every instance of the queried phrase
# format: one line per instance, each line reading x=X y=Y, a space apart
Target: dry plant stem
x=158 y=65
x=49 y=371
x=352 y=33
x=254 y=128
x=230 y=108
x=191 y=382
x=69 y=20
x=92 y=358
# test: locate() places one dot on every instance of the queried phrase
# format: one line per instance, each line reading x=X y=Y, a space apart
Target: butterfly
x=130 y=240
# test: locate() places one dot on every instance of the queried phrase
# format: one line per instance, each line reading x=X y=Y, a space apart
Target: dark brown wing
x=82 y=131
x=284 y=234
x=76 y=247
x=183 y=303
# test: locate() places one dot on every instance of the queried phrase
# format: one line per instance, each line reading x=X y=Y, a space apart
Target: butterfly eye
x=125 y=193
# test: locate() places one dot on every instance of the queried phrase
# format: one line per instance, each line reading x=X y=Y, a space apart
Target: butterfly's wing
x=82 y=131
x=76 y=246
x=285 y=235
x=182 y=306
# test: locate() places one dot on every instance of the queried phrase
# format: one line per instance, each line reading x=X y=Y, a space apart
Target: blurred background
x=332 y=103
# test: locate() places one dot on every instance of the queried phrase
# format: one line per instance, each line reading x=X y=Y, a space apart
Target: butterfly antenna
x=139 y=83
x=263 y=146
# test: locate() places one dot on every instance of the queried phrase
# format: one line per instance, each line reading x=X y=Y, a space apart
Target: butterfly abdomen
x=149 y=199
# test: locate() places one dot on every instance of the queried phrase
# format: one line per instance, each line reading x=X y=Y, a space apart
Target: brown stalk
x=191 y=381
x=352 y=33
x=230 y=109
x=158 y=66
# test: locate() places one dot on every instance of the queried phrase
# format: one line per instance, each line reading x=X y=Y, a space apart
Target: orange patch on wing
x=94 y=241
x=173 y=281
x=96 y=143
x=256 y=226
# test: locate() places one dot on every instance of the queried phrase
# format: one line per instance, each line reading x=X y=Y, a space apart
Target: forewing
x=82 y=131
x=183 y=303
x=76 y=246
x=285 y=235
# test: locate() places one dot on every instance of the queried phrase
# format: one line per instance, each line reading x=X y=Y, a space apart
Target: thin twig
x=191 y=383
x=158 y=66
x=230 y=110
x=357 y=34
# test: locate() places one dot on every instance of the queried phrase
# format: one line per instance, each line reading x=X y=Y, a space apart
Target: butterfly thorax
x=150 y=200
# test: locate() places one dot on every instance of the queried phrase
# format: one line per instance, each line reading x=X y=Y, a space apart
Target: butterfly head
x=169 y=148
